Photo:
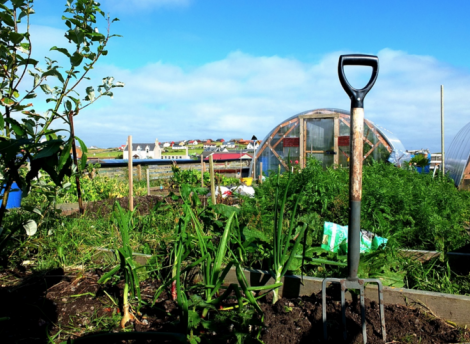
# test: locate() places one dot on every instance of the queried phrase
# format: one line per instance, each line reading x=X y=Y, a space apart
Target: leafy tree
x=27 y=135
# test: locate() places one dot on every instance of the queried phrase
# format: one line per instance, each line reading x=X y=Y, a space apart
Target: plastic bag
x=223 y=190
x=335 y=239
x=244 y=190
x=333 y=236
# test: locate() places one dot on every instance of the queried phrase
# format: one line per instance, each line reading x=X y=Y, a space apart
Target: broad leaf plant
x=29 y=137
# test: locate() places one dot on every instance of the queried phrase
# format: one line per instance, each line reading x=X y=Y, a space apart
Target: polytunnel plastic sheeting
x=399 y=153
x=456 y=157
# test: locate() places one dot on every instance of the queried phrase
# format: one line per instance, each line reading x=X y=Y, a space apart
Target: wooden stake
x=202 y=170
x=148 y=181
x=261 y=173
x=75 y=161
x=442 y=132
x=139 y=172
x=129 y=167
x=211 y=170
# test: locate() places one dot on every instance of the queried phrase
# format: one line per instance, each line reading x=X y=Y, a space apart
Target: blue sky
x=200 y=69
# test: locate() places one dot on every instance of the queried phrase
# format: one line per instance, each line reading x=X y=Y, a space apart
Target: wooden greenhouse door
x=319 y=138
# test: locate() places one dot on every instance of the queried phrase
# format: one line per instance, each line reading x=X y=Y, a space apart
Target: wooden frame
x=319 y=114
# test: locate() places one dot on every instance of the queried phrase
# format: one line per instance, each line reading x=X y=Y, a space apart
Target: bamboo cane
x=211 y=169
x=148 y=181
x=129 y=166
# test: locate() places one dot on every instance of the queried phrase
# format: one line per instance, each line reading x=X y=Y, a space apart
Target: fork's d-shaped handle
x=357 y=96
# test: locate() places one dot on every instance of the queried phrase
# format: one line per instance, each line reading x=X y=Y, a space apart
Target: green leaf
x=28 y=62
x=32 y=210
x=18 y=3
x=82 y=145
x=17 y=127
x=115 y=19
x=48 y=150
x=28 y=126
x=193 y=318
x=68 y=105
x=7 y=102
x=36 y=76
x=30 y=96
x=76 y=59
x=90 y=94
x=62 y=50
x=79 y=35
x=254 y=234
x=64 y=156
x=2 y=122
x=84 y=151
x=54 y=72
x=47 y=89
x=7 y=19
x=83 y=161
x=15 y=37
x=23 y=48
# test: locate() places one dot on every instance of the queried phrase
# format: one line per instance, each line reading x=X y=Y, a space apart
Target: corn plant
x=123 y=221
x=282 y=249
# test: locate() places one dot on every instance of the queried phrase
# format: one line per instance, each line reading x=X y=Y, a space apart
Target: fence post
x=260 y=176
x=129 y=167
x=148 y=181
x=139 y=172
x=211 y=169
x=202 y=170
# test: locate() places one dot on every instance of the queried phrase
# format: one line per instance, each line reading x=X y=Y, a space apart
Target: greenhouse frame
x=324 y=135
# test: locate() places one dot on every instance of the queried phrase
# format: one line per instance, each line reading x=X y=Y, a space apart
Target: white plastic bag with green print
x=333 y=236
x=335 y=239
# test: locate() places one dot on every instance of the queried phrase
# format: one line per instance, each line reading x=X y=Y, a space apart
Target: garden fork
x=355 y=195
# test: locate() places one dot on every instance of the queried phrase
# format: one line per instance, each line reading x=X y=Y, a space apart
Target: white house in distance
x=143 y=151
x=254 y=145
x=151 y=151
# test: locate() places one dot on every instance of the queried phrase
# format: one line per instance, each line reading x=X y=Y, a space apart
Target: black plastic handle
x=357 y=96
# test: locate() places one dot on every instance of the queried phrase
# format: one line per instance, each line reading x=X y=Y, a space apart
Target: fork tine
x=363 y=315
x=323 y=304
x=382 y=312
x=343 y=308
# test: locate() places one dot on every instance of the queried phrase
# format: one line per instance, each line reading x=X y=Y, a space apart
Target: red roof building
x=224 y=156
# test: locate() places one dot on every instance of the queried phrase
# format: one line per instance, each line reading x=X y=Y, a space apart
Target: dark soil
x=60 y=305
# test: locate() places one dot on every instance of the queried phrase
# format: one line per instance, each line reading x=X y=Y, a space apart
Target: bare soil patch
x=59 y=305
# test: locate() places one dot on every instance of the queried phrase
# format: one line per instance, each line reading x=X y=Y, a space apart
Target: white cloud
x=242 y=95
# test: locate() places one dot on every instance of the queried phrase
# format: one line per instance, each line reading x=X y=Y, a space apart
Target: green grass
x=102 y=153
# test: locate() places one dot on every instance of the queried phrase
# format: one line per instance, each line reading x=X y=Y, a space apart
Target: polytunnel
x=324 y=135
x=457 y=157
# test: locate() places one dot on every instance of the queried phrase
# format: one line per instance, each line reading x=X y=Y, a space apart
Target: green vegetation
x=27 y=136
x=279 y=230
x=102 y=153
